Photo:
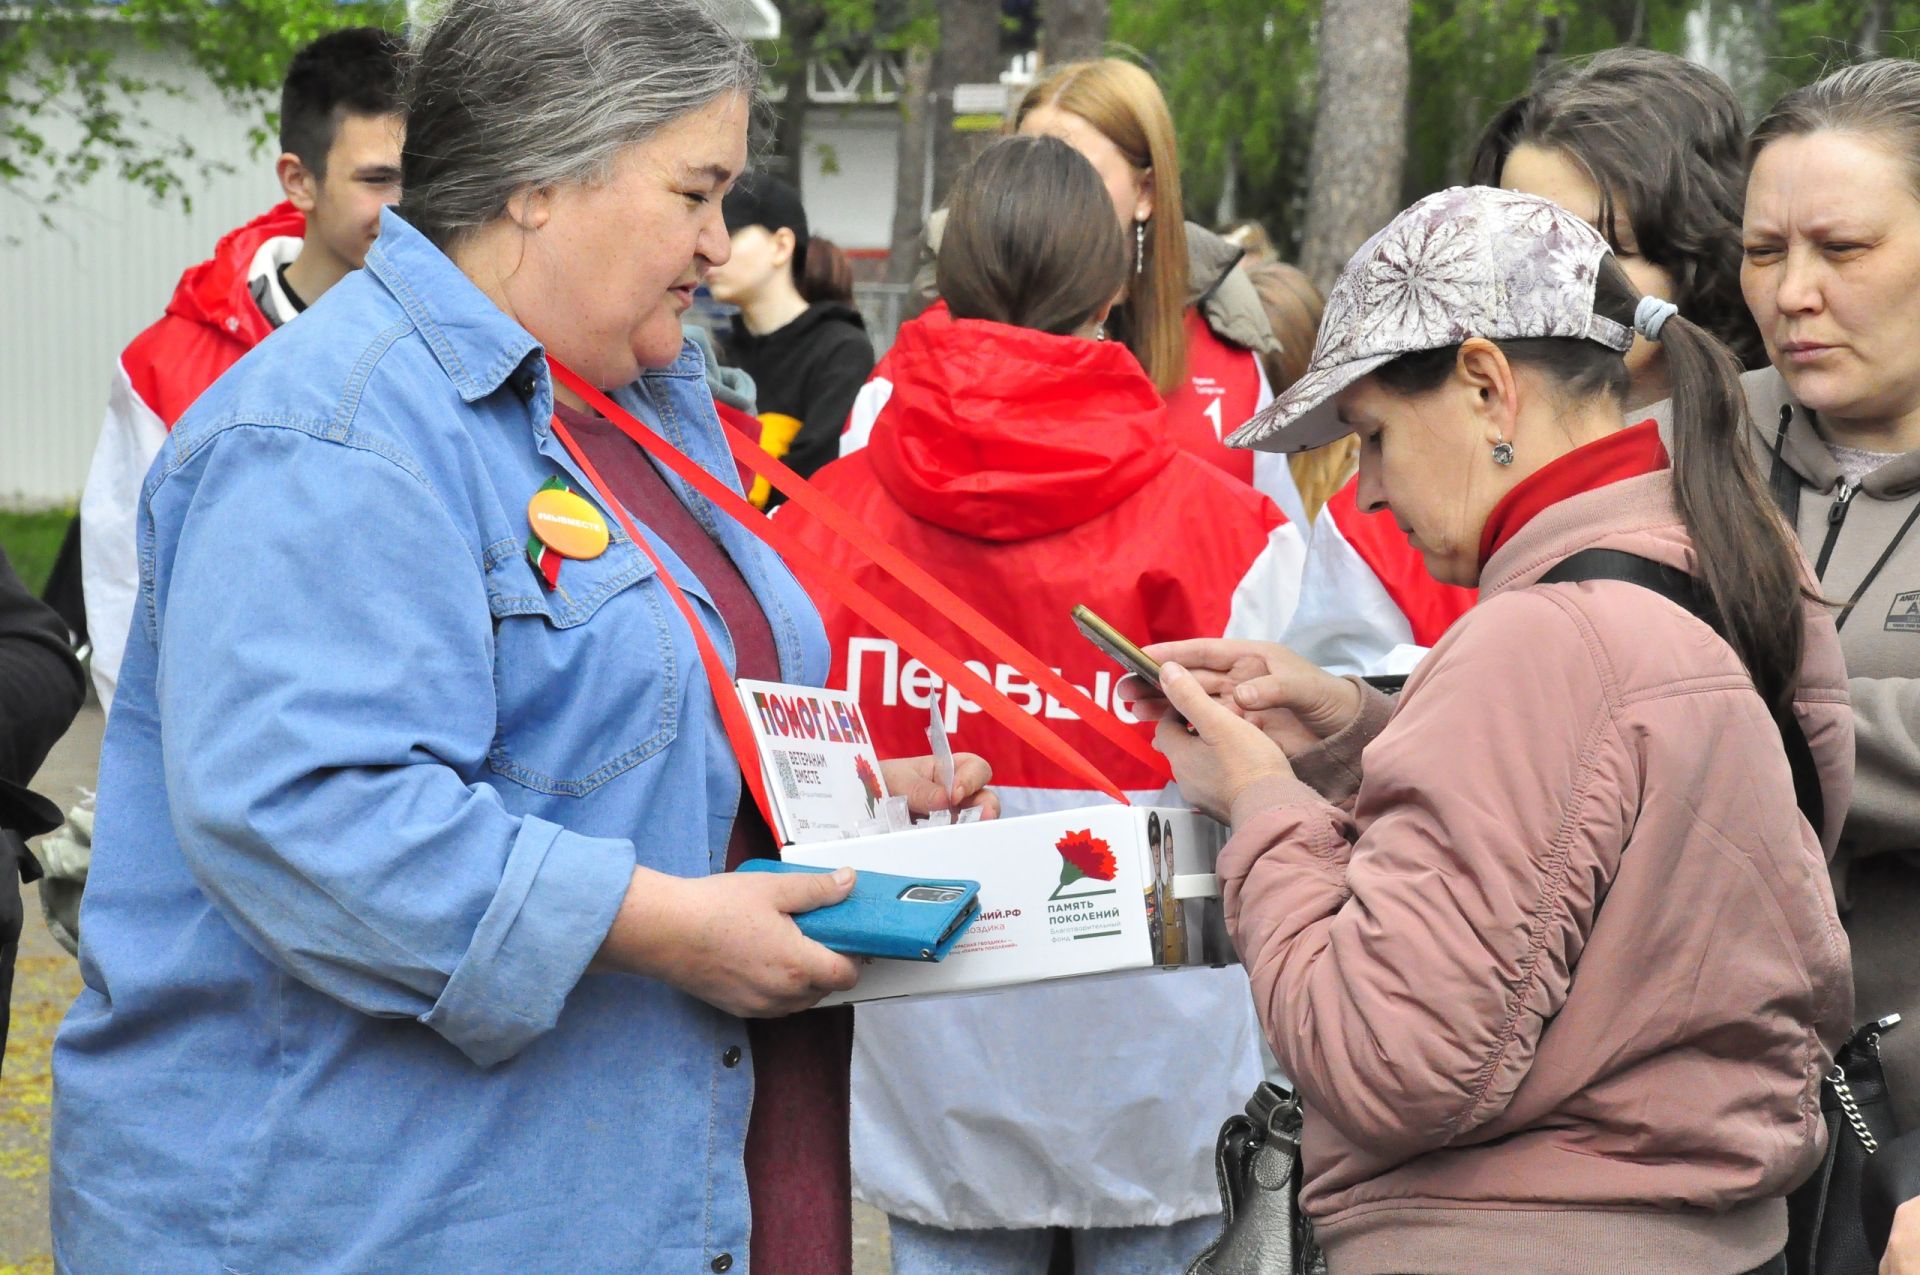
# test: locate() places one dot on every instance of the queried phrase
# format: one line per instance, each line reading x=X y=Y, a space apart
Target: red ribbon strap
x=995 y=639
x=857 y=598
x=733 y=716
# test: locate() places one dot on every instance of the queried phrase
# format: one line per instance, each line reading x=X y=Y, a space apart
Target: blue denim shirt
x=369 y=800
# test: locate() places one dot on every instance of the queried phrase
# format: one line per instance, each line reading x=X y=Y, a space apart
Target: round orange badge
x=567 y=524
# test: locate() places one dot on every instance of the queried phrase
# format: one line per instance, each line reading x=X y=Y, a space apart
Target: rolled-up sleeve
x=326 y=697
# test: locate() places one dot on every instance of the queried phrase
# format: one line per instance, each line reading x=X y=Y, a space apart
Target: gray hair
x=506 y=95
x=1878 y=99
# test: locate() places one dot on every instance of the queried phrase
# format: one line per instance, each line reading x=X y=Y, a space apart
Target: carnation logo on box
x=1085 y=905
x=1062 y=895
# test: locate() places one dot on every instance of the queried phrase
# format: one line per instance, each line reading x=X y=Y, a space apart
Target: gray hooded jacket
x=1864 y=543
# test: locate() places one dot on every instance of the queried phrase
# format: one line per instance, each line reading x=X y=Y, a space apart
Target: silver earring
x=1099 y=331
x=1503 y=453
x=1139 y=247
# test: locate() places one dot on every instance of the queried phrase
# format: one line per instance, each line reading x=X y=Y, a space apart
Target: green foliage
x=848 y=28
x=1471 y=56
x=31 y=541
x=1238 y=75
x=69 y=111
x=1808 y=39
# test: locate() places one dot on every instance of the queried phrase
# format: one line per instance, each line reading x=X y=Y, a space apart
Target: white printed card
x=822 y=772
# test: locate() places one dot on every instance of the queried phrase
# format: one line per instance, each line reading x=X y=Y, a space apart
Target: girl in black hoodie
x=797 y=333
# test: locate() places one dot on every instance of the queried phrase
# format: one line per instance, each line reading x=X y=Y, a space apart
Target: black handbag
x=1257 y=1161
x=1826 y=1232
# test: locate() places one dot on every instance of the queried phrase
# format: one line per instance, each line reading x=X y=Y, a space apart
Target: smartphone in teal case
x=891 y=917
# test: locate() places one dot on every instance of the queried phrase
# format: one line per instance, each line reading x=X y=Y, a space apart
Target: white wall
x=73 y=296
x=854 y=205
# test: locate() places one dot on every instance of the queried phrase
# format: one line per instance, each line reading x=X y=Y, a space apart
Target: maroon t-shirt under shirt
x=799 y=1181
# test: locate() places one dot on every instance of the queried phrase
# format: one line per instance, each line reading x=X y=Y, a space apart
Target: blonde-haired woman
x=1192 y=317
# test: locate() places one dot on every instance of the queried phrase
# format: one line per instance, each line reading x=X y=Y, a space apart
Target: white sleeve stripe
x=130 y=437
x=1264 y=600
x=1346 y=621
x=867 y=406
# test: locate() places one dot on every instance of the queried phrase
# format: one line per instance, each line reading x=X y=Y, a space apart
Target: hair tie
x=1651 y=315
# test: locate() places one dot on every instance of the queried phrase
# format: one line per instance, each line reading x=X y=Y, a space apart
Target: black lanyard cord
x=1784 y=483
x=1786 y=493
x=1885 y=556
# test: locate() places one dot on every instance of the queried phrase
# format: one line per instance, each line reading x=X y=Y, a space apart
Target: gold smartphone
x=1116 y=647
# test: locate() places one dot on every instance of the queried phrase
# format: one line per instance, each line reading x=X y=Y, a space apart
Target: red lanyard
x=910 y=637
x=732 y=715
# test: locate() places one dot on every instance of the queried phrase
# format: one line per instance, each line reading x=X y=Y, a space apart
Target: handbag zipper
x=1866 y=1040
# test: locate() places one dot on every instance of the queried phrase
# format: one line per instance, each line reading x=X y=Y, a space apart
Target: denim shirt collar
x=474 y=341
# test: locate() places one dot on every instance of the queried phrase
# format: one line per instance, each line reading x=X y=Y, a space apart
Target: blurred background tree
x=70 y=110
x=1241 y=75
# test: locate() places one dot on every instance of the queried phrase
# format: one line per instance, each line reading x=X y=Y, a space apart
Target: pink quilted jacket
x=1559 y=982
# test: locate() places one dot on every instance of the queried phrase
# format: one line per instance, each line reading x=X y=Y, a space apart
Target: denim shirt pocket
x=586 y=676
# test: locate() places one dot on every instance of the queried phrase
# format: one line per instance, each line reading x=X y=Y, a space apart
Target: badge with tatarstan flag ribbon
x=565 y=525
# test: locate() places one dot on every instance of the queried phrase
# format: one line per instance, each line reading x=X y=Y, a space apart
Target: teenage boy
x=341 y=128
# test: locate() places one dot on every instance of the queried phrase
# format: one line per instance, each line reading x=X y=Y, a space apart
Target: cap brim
x=1303 y=417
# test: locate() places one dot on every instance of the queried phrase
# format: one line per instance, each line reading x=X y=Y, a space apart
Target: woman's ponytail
x=826 y=275
x=1745 y=554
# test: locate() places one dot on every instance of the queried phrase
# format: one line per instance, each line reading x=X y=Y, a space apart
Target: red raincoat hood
x=1005 y=433
x=215 y=292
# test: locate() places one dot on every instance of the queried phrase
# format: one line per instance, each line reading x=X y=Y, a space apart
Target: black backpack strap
x=1682 y=589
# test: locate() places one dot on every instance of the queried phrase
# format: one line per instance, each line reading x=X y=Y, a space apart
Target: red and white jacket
x=1367 y=604
x=211 y=321
x=1032 y=473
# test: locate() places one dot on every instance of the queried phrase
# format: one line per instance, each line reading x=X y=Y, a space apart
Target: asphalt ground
x=45 y=983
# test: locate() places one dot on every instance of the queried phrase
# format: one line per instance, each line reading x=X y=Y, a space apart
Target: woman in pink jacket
x=1547 y=946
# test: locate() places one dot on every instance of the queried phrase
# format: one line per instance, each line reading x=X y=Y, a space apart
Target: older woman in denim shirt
x=408 y=941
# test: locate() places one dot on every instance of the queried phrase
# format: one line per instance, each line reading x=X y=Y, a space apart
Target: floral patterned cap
x=1466 y=262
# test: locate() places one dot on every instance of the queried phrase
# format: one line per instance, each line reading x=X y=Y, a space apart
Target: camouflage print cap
x=1466 y=262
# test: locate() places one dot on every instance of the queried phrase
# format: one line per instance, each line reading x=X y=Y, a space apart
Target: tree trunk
x=1359 y=133
x=1873 y=25
x=1071 y=30
x=1227 y=208
x=911 y=195
x=1629 y=19
x=969 y=53
x=801 y=24
x=1553 y=39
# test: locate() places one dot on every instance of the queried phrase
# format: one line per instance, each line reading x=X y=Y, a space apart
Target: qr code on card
x=782 y=763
